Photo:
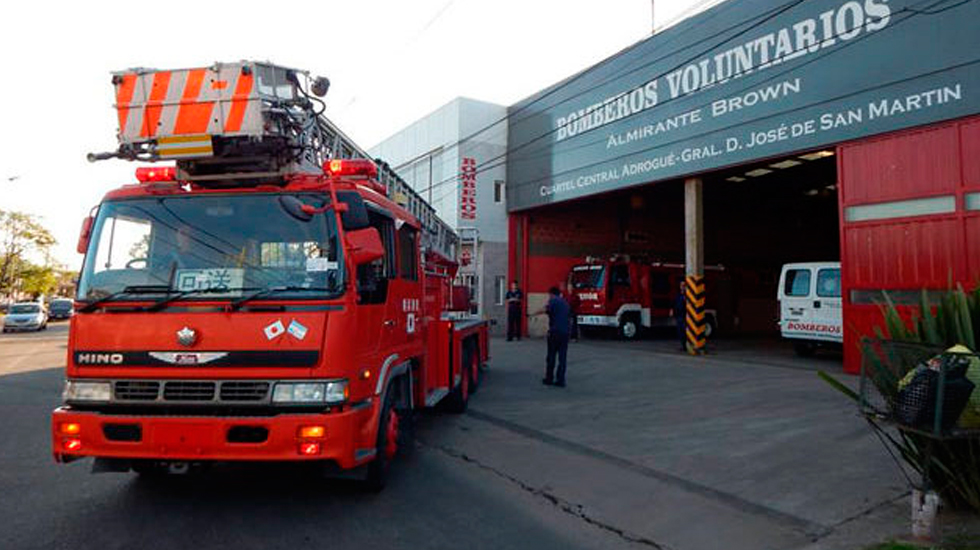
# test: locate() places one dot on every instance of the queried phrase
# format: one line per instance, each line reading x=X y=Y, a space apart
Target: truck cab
x=810 y=313
x=629 y=296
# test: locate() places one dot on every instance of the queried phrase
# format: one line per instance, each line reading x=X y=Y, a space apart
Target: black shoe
x=547 y=382
x=559 y=384
x=509 y=339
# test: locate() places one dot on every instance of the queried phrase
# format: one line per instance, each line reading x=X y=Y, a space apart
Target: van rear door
x=795 y=300
x=827 y=316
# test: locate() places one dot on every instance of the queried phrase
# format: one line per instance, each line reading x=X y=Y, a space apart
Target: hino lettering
x=99 y=358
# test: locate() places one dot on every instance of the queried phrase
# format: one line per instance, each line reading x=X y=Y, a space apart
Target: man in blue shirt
x=559 y=321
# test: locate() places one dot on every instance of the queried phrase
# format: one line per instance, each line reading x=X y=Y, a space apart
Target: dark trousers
x=513 y=323
x=681 y=331
x=557 y=345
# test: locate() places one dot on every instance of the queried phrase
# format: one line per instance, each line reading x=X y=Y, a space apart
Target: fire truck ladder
x=246 y=123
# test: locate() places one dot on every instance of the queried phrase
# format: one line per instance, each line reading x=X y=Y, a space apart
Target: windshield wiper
x=237 y=304
x=164 y=302
x=132 y=289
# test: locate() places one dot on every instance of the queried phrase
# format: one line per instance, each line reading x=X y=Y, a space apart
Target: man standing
x=513 y=299
x=558 y=325
x=679 y=311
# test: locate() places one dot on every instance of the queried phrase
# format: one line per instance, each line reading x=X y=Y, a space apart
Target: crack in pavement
x=811 y=529
x=570 y=508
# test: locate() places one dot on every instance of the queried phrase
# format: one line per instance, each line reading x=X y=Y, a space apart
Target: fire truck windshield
x=587 y=276
x=212 y=247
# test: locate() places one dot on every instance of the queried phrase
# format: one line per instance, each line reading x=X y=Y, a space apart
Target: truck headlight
x=331 y=392
x=76 y=390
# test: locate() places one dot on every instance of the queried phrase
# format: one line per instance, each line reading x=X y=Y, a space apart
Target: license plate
x=184 y=436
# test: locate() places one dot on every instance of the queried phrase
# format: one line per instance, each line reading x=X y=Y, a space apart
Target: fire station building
x=756 y=134
x=760 y=133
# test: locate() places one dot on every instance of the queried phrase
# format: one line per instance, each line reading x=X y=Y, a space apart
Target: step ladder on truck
x=274 y=294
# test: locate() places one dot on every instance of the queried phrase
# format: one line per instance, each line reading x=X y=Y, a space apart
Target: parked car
x=25 y=316
x=810 y=306
x=61 y=308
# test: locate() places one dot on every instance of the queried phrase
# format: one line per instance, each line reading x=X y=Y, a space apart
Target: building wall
x=429 y=155
x=923 y=186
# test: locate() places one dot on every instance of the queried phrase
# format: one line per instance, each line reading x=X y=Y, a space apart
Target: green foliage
x=38 y=280
x=20 y=234
x=951 y=465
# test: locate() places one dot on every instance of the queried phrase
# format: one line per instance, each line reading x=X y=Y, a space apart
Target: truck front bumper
x=347 y=439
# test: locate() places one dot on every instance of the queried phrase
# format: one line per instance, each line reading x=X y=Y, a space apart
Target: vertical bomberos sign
x=467 y=198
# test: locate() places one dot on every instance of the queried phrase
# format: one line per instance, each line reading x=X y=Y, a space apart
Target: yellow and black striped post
x=696 y=320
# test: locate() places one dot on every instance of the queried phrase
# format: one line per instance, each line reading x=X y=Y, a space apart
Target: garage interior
x=757 y=217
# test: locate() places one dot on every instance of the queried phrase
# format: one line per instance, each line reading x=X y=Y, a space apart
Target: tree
x=20 y=233
x=38 y=280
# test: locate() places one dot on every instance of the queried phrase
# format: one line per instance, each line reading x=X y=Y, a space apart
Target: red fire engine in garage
x=276 y=295
x=630 y=295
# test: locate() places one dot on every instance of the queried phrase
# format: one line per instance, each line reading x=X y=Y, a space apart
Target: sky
x=390 y=63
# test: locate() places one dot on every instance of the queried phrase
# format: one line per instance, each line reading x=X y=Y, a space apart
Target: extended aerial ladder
x=247 y=123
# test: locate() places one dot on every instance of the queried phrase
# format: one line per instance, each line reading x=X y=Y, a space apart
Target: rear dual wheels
x=469 y=380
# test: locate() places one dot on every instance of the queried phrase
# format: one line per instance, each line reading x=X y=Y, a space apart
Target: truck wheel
x=629 y=328
x=386 y=447
x=710 y=327
x=458 y=399
x=804 y=349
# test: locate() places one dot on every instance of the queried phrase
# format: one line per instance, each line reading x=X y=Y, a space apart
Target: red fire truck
x=273 y=296
x=630 y=295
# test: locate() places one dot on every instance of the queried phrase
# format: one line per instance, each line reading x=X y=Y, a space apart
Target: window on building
x=500 y=289
x=498 y=191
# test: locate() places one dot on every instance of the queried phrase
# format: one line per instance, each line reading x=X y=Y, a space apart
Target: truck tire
x=458 y=399
x=629 y=327
x=711 y=326
x=385 y=448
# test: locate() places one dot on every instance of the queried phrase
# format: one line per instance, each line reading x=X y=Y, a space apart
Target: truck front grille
x=137 y=390
x=188 y=391
x=244 y=391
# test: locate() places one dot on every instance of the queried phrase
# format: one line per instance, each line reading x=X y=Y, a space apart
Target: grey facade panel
x=744 y=81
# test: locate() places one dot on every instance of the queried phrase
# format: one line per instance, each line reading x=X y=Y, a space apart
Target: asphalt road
x=436 y=498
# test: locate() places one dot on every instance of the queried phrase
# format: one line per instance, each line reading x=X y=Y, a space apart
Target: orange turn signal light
x=72 y=444
x=309 y=449
x=70 y=428
x=312 y=432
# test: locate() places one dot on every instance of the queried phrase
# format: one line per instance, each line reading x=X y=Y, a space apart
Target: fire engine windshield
x=212 y=247
x=587 y=276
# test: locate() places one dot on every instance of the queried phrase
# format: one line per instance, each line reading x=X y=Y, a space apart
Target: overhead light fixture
x=788 y=163
x=817 y=155
x=758 y=172
x=735 y=179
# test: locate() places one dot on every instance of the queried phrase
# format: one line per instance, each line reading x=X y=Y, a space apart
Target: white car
x=25 y=316
x=810 y=306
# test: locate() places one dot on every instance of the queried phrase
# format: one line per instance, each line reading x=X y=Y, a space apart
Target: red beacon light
x=351 y=167
x=150 y=174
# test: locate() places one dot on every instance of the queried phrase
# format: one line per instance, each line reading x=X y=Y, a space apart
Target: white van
x=810 y=305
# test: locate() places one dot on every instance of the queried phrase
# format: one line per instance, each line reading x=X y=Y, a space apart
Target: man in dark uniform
x=558 y=325
x=513 y=299
x=679 y=311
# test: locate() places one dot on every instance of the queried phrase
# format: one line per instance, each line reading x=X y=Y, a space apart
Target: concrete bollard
x=925 y=518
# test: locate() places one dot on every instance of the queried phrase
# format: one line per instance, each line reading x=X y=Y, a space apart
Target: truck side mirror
x=85 y=235
x=364 y=245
